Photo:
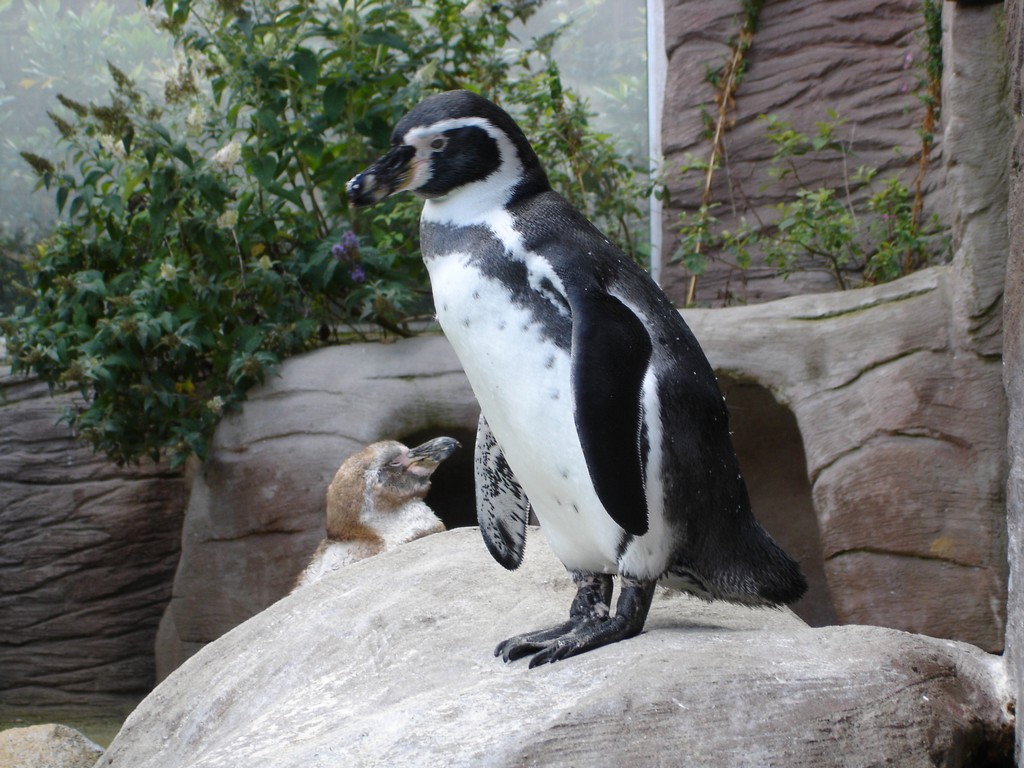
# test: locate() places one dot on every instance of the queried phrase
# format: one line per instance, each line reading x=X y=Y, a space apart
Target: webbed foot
x=590 y=625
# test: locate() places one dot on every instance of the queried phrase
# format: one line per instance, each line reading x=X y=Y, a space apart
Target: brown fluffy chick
x=375 y=502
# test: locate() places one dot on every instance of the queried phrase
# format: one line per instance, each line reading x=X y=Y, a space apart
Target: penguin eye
x=438 y=143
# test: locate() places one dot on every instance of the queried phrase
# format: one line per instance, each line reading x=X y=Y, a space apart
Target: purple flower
x=357 y=273
x=908 y=60
x=347 y=249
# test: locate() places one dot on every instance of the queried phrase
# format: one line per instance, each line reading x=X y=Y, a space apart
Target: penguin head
x=380 y=479
x=451 y=143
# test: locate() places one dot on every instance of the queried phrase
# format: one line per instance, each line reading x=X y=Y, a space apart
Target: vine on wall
x=868 y=228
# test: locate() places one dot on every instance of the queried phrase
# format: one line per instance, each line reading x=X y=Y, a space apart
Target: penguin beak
x=390 y=174
x=424 y=458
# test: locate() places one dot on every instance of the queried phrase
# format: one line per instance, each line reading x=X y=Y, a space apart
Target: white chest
x=521 y=378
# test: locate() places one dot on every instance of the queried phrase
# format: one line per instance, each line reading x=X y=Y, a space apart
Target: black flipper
x=502 y=508
x=611 y=350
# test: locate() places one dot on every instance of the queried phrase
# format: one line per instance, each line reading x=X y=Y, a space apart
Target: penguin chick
x=600 y=412
x=375 y=502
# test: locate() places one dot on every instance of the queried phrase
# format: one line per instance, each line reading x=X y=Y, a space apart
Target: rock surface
x=861 y=58
x=47 y=746
x=87 y=554
x=1013 y=355
x=388 y=663
x=904 y=438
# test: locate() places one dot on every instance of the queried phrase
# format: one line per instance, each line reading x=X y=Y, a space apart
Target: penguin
x=600 y=413
x=375 y=502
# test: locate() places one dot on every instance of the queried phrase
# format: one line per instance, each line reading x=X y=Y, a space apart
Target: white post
x=657 y=66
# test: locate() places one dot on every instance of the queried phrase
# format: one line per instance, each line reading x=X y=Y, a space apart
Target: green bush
x=205 y=237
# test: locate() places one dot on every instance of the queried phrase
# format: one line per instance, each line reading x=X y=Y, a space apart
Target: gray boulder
x=389 y=663
x=47 y=746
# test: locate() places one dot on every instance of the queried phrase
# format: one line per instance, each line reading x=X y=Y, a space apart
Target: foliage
x=866 y=229
x=206 y=238
x=13 y=245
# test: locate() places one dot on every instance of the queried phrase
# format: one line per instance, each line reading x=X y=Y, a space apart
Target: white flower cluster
x=228 y=156
x=196 y=118
x=113 y=146
x=228 y=219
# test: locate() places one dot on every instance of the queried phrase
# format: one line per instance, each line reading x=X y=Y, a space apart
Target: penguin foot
x=589 y=624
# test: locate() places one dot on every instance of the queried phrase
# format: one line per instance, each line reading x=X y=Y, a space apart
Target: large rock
x=47 y=746
x=389 y=663
x=861 y=58
x=87 y=554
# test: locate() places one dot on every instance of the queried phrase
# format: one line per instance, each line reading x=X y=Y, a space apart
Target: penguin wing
x=611 y=352
x=502 y=508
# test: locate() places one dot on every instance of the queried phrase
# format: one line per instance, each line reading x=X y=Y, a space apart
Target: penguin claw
x=523 y=645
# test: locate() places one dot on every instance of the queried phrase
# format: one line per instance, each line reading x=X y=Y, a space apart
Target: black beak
x=390 y=174
x=432 y=452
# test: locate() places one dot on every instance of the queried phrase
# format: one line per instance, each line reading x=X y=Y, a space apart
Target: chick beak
x=423 y=459
x=390 y=174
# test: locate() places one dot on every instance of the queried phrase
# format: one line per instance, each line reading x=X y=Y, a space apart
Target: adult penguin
x=599 y=409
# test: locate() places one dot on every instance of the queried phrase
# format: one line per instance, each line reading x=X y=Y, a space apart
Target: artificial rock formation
x=861 y=58
x=903 y=434
x=897 y=389
x=904 y=439
x=87 y=553
x=389 y=663
x=1013 y=355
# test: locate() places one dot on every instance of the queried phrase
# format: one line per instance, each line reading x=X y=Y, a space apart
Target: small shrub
x=863 y=232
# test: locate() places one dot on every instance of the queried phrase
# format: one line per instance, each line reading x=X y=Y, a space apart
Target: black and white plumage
x=600 y=412
x=375 y=502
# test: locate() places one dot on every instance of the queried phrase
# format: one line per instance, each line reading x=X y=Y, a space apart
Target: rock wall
x=87 y=554
x=904 y=438
x=1013 y=355
x=861 y=58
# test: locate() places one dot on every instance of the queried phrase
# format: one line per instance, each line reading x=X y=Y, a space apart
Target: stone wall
x=861 y=58
x=1013 y=353
x=87 y=553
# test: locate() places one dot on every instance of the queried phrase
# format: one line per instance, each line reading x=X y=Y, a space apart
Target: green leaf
x=306 y=65
x=375 y=37
x=264 y=169
x=335 y=99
